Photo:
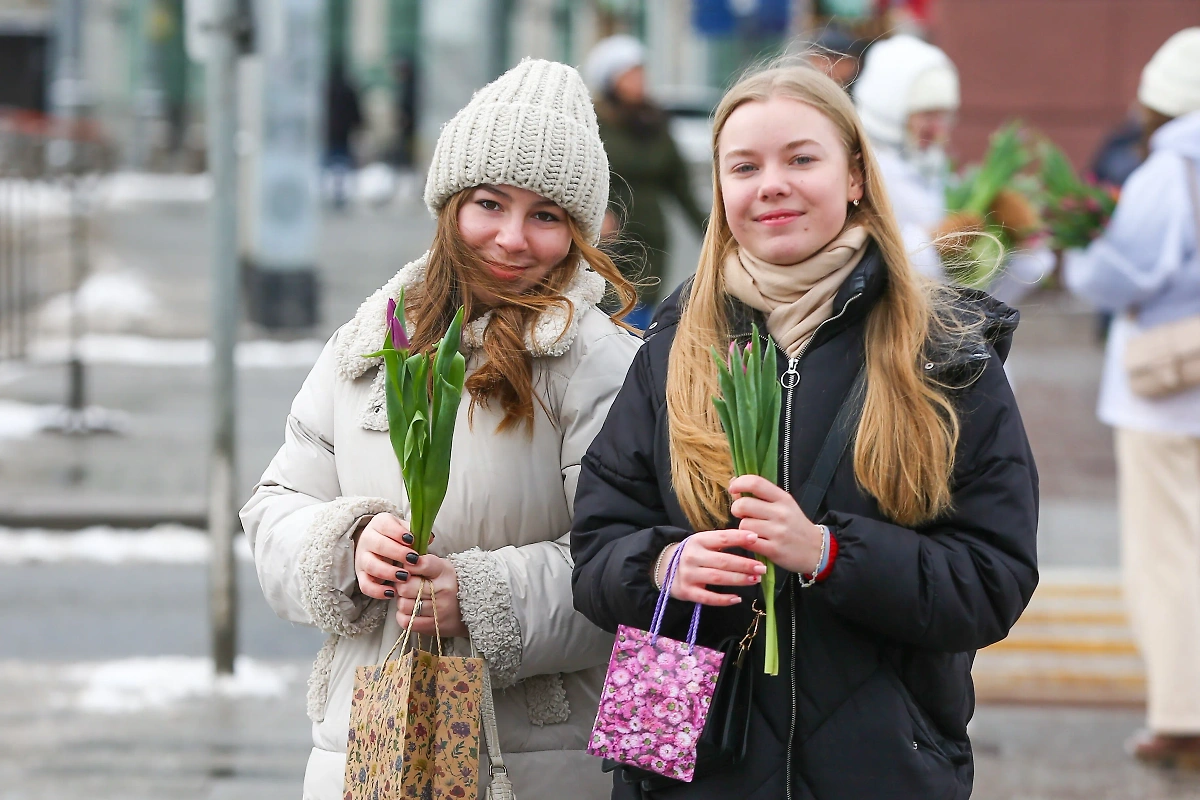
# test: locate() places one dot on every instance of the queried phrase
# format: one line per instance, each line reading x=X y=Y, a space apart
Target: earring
x=856 y=202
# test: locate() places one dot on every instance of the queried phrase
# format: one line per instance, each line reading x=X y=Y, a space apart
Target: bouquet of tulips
x=992 y=200
x=1076 y=211
x=423 y=394
x=749 y=411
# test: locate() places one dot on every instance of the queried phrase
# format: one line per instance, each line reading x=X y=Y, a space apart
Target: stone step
x=1073 y=644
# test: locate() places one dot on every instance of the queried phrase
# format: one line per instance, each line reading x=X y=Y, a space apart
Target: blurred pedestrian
x=908 y=97
x=646 y=168
x=519 y=186
x=1146 y=270
x=343 y=119
x=923 y=548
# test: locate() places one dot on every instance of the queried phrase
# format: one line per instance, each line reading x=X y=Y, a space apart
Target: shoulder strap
x=500 y=786
x=834 y=447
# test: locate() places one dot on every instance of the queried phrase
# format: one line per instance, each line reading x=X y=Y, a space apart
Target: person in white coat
x=907 y=97
x=1145 y=269
x=519 y=187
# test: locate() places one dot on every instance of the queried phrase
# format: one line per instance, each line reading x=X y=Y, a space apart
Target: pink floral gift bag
x=656 y=695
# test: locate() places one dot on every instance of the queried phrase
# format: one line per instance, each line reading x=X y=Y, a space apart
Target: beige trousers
x=1159 y=494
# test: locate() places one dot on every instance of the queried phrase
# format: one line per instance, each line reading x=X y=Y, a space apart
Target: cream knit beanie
x=1171 y=81
x=902 y=75
x=534 y=127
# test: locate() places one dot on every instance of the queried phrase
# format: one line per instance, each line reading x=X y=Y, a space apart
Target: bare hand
x=388 y=568
x=784 y=534
x=430 y=570
x=381 y=546
x=703 y=564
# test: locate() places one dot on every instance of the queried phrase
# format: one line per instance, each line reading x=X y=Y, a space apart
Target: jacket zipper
x=789 y=381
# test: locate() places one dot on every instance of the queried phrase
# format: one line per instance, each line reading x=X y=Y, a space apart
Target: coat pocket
x=925 y=733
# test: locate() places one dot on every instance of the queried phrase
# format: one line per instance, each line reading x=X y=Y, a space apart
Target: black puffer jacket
x=874 y=689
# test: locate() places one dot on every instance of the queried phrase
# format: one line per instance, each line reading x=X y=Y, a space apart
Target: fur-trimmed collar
x=549 y=336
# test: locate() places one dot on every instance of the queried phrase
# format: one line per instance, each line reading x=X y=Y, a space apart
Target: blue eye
x=803 y=160
x=743 y=168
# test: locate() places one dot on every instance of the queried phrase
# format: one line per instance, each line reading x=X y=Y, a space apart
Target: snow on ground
x=145 y=351
x=139 y=684
x=24 y=420
x=108 y=301
x=163 y=544
x=25 y=200
x=125 y=189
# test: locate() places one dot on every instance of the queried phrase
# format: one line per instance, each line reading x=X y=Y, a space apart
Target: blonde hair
x=904 y=451
x=506 y=375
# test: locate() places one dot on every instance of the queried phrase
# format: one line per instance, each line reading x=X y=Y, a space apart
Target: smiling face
x=517 y=235
x=785 y=178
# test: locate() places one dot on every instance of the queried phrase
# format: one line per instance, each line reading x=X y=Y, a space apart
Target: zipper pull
x=791 y=377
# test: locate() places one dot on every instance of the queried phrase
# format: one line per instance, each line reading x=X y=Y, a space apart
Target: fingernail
x=411 y=558
x=736 y=600
x=755 y=578
x=401 y=575
x=407 y=538
x=389 y=593
x=761 y=569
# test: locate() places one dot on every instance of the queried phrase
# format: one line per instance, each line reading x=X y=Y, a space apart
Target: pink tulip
x=396 y=328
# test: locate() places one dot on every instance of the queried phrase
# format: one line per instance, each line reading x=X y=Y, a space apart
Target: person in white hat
x=647 y=169
x=1145 y=269
x=908 y=97
x=519 y=187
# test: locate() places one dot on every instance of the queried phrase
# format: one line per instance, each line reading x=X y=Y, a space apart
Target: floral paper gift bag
x=414 y=726
x=441 y=748
x=656 y=695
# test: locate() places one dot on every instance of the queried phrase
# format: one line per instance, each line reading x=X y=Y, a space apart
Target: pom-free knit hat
x=1171 y=81
x=610 y=59
x=902 y=75
x=534 y=127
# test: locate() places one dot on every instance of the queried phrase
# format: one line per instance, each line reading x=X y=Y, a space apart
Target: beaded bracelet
x=658 y=564
x=806 y=582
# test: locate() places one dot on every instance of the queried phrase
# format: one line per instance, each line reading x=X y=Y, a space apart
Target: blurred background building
x=416 y=62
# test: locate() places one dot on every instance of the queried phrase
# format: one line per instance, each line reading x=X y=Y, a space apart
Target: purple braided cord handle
x=661 y=606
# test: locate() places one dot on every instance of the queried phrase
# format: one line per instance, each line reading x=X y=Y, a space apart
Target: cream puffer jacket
x=504 y=525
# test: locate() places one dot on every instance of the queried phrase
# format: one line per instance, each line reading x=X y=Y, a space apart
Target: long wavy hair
x=454 y=276
x=905 y=446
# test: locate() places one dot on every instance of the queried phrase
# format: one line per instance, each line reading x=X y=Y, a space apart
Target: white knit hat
x=902 y=75
x=1171 y=81
x=534 y=127
x=611 y=58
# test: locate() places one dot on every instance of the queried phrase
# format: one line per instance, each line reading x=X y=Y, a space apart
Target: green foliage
x=748 y=408
x=423 y=395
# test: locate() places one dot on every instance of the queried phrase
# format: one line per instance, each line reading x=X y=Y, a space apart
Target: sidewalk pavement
x=221 y=747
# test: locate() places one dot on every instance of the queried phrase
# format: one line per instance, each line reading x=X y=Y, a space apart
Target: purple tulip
x=396 y=328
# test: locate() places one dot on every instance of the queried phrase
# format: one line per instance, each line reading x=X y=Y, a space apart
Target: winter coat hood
x=884 y=93
x=1181 y=136
x=994 y=322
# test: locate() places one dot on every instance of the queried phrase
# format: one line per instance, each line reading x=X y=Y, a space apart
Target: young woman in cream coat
x=519 y=185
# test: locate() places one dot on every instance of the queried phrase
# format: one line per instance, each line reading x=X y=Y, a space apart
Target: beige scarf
x=799 y=297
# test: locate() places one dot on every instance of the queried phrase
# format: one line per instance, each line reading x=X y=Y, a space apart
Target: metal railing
x=47 y=167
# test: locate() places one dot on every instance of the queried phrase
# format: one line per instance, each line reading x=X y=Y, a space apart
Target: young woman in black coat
x=923 y=547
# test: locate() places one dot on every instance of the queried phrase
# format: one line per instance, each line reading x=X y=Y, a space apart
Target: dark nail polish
x=401 y=575
x=388 y=593
x=412 y=558
x=407 y=538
